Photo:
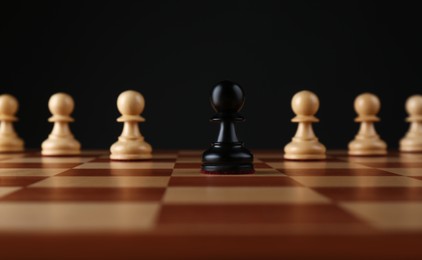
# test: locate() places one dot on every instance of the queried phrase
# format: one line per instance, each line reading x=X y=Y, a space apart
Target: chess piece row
x=61 y=142
x=305 y=145
x=227 y=99
x=229 y=156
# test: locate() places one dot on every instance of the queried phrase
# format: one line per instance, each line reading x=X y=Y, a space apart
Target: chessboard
x=90 y=207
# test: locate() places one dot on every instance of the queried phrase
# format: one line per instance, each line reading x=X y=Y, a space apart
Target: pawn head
x=61 y=104
x=414 y=105
x=130 y=102
x=305 y=103
x=8 y=105
x=227 y=97
x=367 y=104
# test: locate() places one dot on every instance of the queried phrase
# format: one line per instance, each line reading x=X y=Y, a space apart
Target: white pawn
x=9 y=140
x=367 y=141
x=305 y=145
x=131 y=144
x=61 y=140
x=412 y=142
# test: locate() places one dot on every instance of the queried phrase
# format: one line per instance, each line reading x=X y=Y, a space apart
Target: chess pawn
x=227 y=155
x=9 y=140
x=367 y=141
x=60 y=141
x=305 y=145
x=412 y=142
x=131 y=144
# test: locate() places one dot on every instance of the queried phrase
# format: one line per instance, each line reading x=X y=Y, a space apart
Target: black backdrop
x=174 y=52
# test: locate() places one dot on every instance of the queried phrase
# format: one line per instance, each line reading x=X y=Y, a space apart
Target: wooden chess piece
x=131 y=144
x=367 y=141
x=412 y=141
x=227 y=155
x=9 y=140
x=61 y=141
x=305 y=145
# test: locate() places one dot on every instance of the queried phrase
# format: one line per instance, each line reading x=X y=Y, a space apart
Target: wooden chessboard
x=89 y=206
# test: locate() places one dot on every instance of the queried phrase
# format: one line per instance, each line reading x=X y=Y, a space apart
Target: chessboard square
x=152 y=160
x=232 y=181
x=261 y=165
x=18 y=180
x=5 y=156
x=77 y=217
x=7 y=190
x=30 y=172
x=127 y=165
x=244 y=195
x=86 y=194
x=266 y=172
x=314 y=165
x=405 y=171
x=391 y=216
x=372 y=193
x=357 y=181
x=394 y=164
x=101 y=181
x=116 y=172
x=362 y=159
x=197 y=173
x=187 y=172
x=385 y=159
x=4 y=165
x=180 y=165
x=49 y=160
x=336 y=172
x=262 y=214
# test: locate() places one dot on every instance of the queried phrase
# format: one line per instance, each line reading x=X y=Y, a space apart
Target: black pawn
x=227 y=155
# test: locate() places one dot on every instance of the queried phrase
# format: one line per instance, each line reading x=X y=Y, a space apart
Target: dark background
x=174 y=52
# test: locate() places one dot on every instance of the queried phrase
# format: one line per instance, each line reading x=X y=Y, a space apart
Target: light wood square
x=357 y=181
x=242 y=195
x=49 y=160
x=394 y=216
x=22 y=172
x=379 y=159
x=102 y=182
x=7 y=190
x=315 y=165
x=405 y=171
x=127 y=165
x=77 y=217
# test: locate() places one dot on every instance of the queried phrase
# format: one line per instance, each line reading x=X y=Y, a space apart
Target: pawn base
x=11 y=144
x=411 y=144
x=305 y=157
x=304 y=150
x=60 y=146
x=227 y=158
x=367 y=147
x=60 y=152
x=130 y=150
x=130 y=157
x=228 y=169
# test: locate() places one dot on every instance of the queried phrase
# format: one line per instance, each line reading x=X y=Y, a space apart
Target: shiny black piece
x=227 y=155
